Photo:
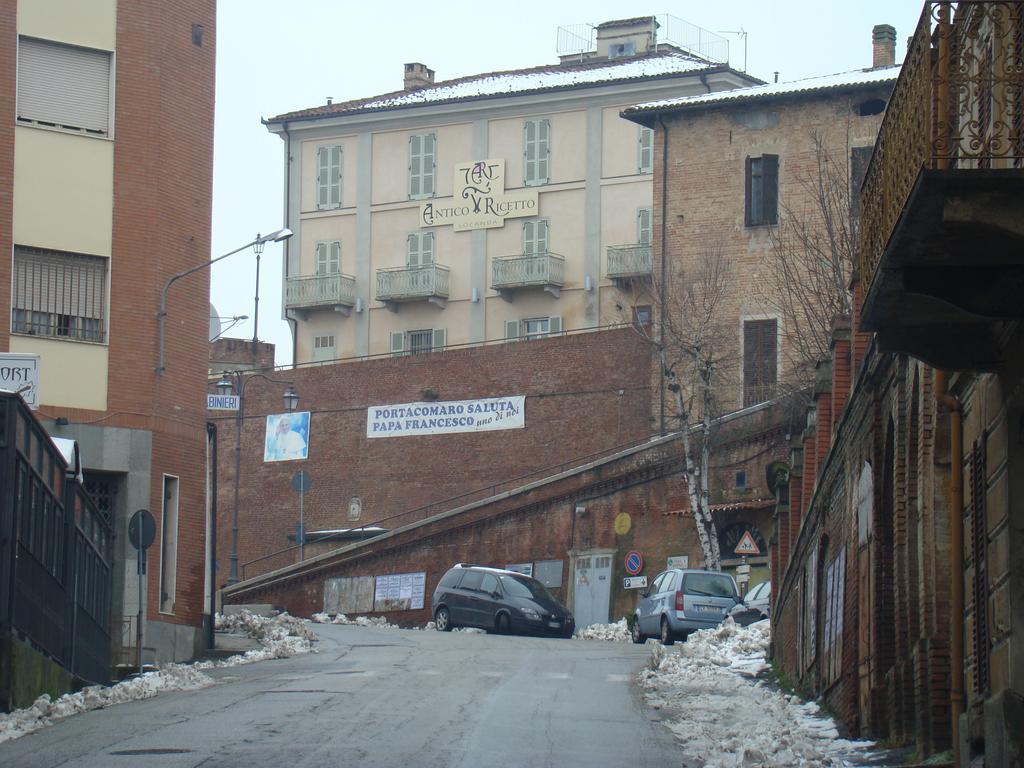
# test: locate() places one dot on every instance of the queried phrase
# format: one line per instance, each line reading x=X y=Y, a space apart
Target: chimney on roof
x=883 y=46
x=419 y=76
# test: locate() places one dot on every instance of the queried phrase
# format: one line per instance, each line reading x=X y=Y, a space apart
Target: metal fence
x=412 y=282
x=55 y=550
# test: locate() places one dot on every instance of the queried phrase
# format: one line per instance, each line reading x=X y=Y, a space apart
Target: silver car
x=680 y=601
x=756 y=605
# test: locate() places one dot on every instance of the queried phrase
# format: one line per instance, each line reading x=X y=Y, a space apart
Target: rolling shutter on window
x=62 y=284
x=63 y=85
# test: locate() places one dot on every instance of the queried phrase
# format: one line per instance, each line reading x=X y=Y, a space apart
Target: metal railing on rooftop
x=958 y=103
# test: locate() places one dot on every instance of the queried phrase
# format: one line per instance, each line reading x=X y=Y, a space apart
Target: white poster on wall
x=399 y=591
x=441 y=418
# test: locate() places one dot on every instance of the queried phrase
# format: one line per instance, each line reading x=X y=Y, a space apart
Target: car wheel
x=635 y=632
x=666 y=632
x=501 y=624
x=443 y=620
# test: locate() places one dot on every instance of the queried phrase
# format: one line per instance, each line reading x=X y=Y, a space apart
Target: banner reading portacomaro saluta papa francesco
x=407 y=419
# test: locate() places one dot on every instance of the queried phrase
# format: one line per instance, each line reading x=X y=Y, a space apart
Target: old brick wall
x=542 y=524
x=584 y=393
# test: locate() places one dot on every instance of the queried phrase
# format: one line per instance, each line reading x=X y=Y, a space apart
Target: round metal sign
x=301 y=481
x=141 y=529
x=634 y=563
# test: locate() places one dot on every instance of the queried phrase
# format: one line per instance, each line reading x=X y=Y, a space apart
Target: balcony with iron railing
x=335 y=291
x=629 y=262
x=942 y=204
x=543 y=269
x=404 y=284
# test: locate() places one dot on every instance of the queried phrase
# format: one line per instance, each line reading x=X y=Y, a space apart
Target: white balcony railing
x=545 y=269
x=629 y=260
x=411 y=283
x=320 y=291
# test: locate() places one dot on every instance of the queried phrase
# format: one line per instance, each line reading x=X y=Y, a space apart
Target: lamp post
x=224 y=387
x=258 y=244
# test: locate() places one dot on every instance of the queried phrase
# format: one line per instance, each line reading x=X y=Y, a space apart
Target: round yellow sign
x=622 y=523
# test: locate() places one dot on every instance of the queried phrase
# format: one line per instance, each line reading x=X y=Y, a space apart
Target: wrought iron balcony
x=402 y=284
x=629 y=262
x=335 y=291
x=942 y=206
x=543 y=269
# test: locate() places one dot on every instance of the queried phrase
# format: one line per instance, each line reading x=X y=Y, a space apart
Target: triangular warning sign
x=747 y=546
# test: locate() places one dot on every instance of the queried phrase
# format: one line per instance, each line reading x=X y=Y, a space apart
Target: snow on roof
x=839 y=81
x=495 y=84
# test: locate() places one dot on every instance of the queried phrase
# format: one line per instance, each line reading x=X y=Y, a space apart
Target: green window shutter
x=529 y=145
x=511 y=329
x=426 y=248
x=323 y=164
x=529 y=236
x=428 y=164
x=646 y=161
x=747 y=191
x=543 y=151
x=554 y=325
x=334 y=258
x=440 y=338
x=415 y=165
x=412 y=250
x=321 y=259
x=643 y=226
x=397 y=342
x=541 y=237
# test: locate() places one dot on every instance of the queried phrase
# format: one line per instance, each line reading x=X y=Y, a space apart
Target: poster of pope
x=287 y=437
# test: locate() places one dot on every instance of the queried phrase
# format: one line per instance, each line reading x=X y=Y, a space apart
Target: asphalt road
x=390 y=698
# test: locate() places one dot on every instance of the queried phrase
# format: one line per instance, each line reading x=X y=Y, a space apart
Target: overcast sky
x=273 y=57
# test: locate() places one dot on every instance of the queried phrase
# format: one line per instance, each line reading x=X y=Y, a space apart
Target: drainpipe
x=287 y=245
x=661 y=290
x=955 y=503
x=211 y=438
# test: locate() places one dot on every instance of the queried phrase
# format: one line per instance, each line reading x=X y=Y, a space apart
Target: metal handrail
x=320 y=290
x=412 y=282
x=527 y=269
x=630 y=260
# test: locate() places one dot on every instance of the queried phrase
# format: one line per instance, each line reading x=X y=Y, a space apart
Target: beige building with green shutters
x=503 y=205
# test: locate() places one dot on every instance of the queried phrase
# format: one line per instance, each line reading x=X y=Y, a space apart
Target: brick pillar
x=796 y=497
x=842 y=378
x=823 y=422
x=859 y=339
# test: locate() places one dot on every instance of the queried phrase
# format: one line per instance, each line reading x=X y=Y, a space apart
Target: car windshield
x=524 y=586
x=710 y=584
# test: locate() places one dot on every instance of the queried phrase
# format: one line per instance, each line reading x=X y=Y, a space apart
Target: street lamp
x=257 y=244
x=224 y=387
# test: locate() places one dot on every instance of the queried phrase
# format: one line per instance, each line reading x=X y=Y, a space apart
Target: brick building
x=115 y=99
x=901 y=574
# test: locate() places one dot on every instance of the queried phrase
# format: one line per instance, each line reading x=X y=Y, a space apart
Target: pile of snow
x=279 y=637
x=359 y=621
x=611 y=633
x=726 y=718
x=470 y=630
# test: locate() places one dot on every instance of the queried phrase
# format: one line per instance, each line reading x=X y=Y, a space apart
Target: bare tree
x=695 y=352
x=810 y=264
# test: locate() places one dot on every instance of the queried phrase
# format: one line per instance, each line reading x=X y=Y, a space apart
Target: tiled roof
x=811 y=85
x=737 y=505
x=550 y=77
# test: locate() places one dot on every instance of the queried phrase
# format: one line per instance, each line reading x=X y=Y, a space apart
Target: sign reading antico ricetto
x=480 y=200
x=444 y=418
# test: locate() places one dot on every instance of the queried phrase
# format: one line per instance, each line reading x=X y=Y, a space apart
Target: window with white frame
x=59 y=294
x=422 y=164
x=323 y=348
x=645 y=161
x=64 y=86
x=644 y=225
x=419 y=249
x=532 y=327
x=328 y=176
x=537 y=151
x=418 y=341
x=535 y=237
x=328 y=257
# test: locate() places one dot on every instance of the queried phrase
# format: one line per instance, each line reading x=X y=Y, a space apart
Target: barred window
x=62 y=295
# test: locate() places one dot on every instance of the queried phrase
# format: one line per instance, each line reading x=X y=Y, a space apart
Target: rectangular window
x=328 y=177
x=644 y=226
x=760 y=360
x=59 y=294
x=63 y=86
x=418 y=341
x=323 y=348
x=536 y=151
x=328 y=257
x=645 y=163
x=422 y=164
x=535 y=238
x=762 y=190
x=642 y=315
x=859 y=159
x=419 y=249
x=169 y=545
